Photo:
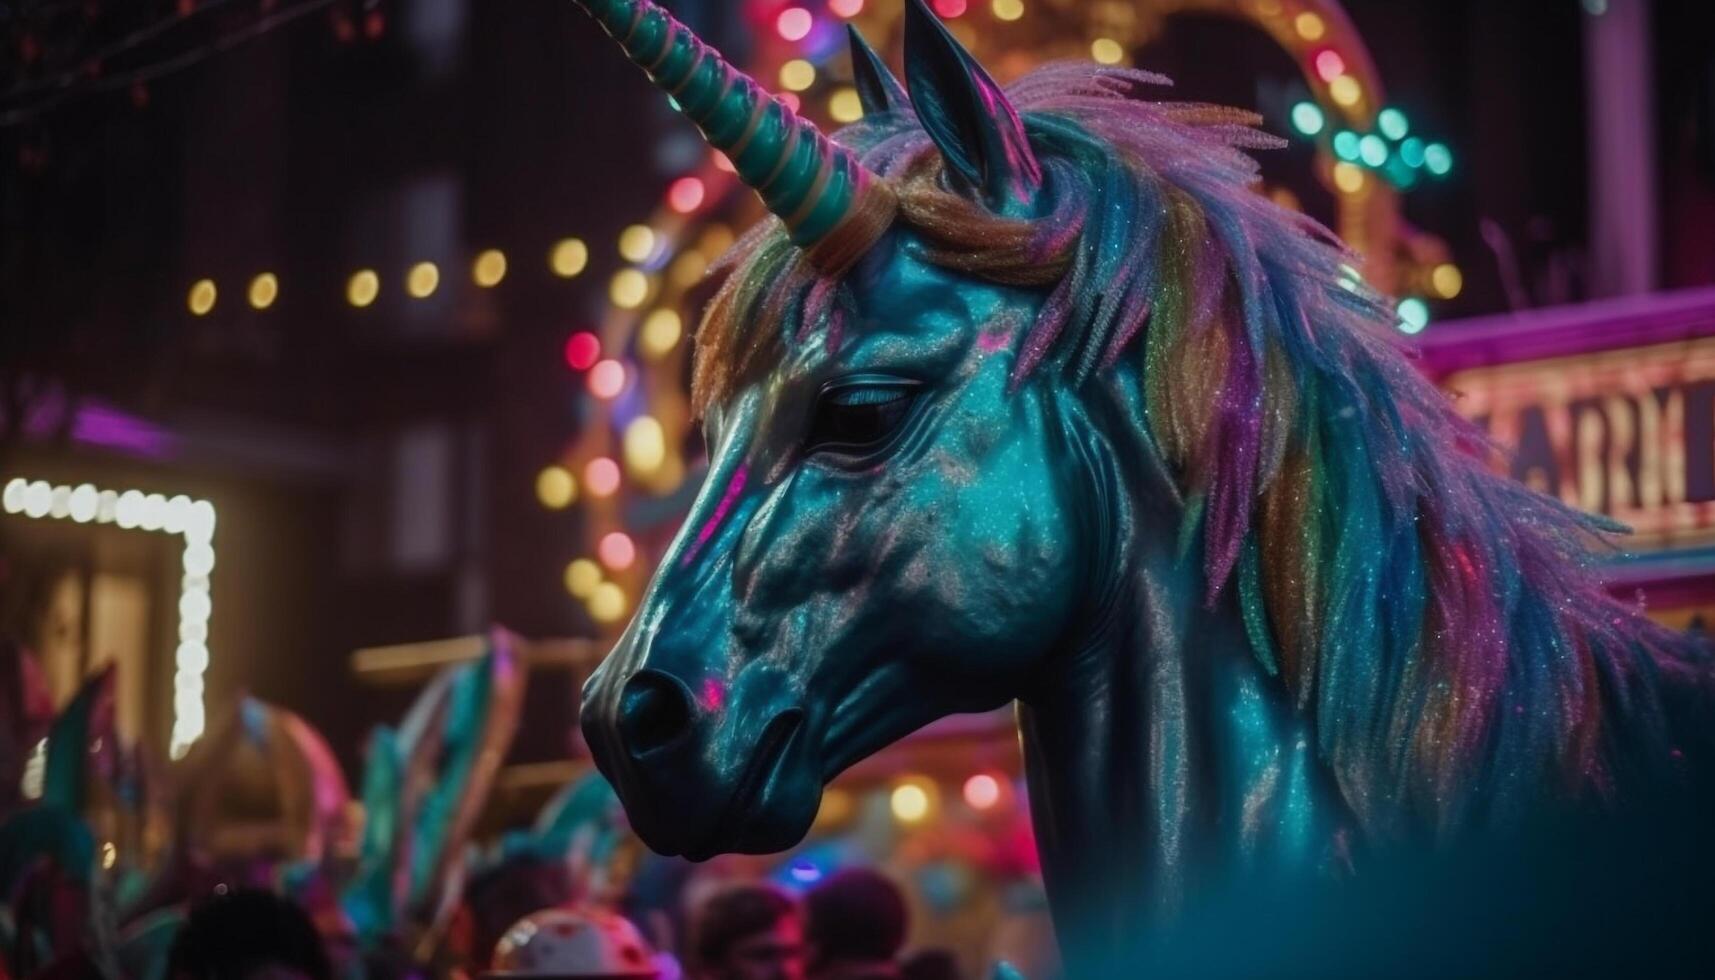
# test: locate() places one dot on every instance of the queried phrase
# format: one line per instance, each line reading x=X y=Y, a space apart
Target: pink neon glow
x=793 y=23
x=582 y=350
x=734 y=487
x=982 y=791
x=845 y=8
x=1329 y=65
x=616 y=551
x=714 y=693
x=951 y=8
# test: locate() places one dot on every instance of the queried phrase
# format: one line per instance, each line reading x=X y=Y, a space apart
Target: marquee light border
x=136 y=510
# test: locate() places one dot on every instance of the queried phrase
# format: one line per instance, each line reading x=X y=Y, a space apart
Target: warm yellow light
x=661 y=332
x=797 y=75
x=582 y=578
x=202 y=296
x=688 y=269
x=555 y=488
x=362 y=288
x=1008 y=9
x=910 y=802
x=1345 y=90
x=1107 y=51
x=645 y=445
x=569 y=257
x=422 y=280
x=264 y=290
x=1348 y=178
x=109 y=855
x=636 y=243
x=1447 y=280
x=489 y=268
x=607 y=603
x=629 y=289
x=716 y=239
x=845 y=106
x=1309 y=26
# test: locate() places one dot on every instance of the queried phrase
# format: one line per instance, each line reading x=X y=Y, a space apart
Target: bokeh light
x=1007 y=9
x=629 y=289
x=794 y=23
x=607 y=603
x=1438 y=159
x=489 y=268
x=422 y=280
x=1329 y=65
x=844 y=106
x=636 y=243
x=1392 y=123
x=617 y=551
x=601 y=476
x=909 y=802
x=845 y=8
x=797 y=75
x=645 y=445
x=1372 y=149
x=1309 y=26
x=1107 y=51
x=1307 y=118
x=582 y=578
x=264 y=290
x=569 y=257
x=362 y=288
x=1345 y=91
x=660 y=334
x=1413 y=315
x=1348 y=178
x=583 y=349
x=1447 y=280
x=982 y=791
x=555 y=488
x=202 y=297
x=686 y=194
x=951 y=8
x=607 y=379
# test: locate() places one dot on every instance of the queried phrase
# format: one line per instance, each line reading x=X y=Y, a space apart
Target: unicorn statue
x=1024 y=395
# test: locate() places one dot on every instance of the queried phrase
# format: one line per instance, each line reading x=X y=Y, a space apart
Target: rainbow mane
x=1442 y=626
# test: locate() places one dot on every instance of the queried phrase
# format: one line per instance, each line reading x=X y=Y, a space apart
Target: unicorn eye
x=859 y=419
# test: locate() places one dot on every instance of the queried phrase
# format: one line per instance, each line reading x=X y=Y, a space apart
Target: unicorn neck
x=1160 y=755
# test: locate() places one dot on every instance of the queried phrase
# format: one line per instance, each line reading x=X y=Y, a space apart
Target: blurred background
x=333 y=332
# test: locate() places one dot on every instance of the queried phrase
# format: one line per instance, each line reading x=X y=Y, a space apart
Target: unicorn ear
x=877 y=89
x=966 y=114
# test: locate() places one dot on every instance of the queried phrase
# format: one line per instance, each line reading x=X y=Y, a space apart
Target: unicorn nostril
x=654 y=711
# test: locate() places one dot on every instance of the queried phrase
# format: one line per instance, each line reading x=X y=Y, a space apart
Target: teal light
x=1372 y=150
x=674 y=103
x=1411 y=151
x=1438 y=158
x=1346 y=145
x=1307 y=118
x=1413 y=315
x=1392 y=123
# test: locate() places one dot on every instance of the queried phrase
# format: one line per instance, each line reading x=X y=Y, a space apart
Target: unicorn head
x=1078 y=419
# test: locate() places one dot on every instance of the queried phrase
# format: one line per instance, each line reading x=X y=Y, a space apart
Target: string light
x=555 y=488
x=583 y=349
x=1007 y=9
x=569 y=257
x=194 y=521
x=1329 y=65
x=637 y=243
x=1307 y=118
x=688 y=268
x=1392 y=123
x=489 y=268
x=1347 y=145
x=617 y=551
x=264 y=290
x=362 y=288
x=422 y=280
x=909 y=802
x=1372 y=150
x=1309 y=26
x=1348 y=178
x=1437 y=159
x=202 y=297
x=951 y=8
x=601 y=476
x=845 y=8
